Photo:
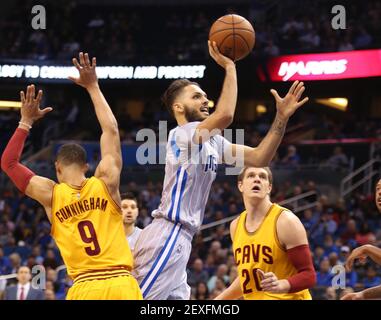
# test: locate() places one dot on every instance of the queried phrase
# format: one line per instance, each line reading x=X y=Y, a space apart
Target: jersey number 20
x=85 y=229
x=246 y=276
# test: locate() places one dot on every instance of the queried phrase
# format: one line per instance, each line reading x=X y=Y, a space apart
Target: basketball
x=234 y=35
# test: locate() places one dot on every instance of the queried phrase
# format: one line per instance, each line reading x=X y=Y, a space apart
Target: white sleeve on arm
x=224 y=147
x=184 y=140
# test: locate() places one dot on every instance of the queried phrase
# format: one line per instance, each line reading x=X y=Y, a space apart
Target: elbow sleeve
x=300 y=258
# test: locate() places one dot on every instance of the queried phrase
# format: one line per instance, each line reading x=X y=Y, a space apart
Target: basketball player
x=362 y=253
x=130 y=212
x=270 y=246
x=86 y=218
x=193 y=153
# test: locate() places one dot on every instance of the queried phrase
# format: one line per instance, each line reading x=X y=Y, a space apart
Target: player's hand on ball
x=353 y=296
x=290 y=103
x=271 y=283
x=30 y=105
x=87 y=74
x=222 y=60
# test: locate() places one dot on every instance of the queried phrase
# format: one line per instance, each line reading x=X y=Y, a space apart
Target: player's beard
x=192 y=114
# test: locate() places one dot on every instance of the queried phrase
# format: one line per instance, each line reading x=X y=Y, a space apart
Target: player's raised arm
x=110 y=165
x=262 y=155
x=362 y=253
x=223 y=116
x=36 y=187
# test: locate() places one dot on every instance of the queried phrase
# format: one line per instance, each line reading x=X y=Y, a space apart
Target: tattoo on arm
x=279 y=126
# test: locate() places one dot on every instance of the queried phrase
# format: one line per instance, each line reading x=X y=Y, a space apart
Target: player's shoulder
x=234 y=224
x=287 y=218
x=188 y=126
x=184 y=133
x=90 y=181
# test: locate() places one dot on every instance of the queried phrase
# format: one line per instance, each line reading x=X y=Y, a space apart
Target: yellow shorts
x=116 y=288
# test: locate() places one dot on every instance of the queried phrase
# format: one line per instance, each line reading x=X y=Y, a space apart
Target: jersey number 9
x=89 y=237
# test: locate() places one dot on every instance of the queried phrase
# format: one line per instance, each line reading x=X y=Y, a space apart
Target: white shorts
x=161 y=256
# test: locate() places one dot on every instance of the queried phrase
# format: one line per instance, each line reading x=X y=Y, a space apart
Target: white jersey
x=189 y=173
x=133 y=237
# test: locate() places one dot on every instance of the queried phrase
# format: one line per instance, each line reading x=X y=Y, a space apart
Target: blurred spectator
x=344 y=254
x=5 y=264
x=291 y=159
x=351 y=279
x=329 y=245
x=371 y=279
x=345 y=45
x=36 y=253
x=271 y=49
x=330 y=294
x=50 y=295
x=350 y=233
x=318 y=256
x=222 y=235
x=23 y=290
x=230 y=262
x=324 y=276
x=210 y=264
x=333 y=259
x=233 y=274
x=221 y=273
x=339 y=160
x=329 y=223
x=50 y=260
x=15 y=261
x=365 y=235
x=308 y=220
x=220 y=284
x=202 y=291
x=197 y=273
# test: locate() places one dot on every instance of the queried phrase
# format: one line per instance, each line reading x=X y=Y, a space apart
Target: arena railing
x=364 y=176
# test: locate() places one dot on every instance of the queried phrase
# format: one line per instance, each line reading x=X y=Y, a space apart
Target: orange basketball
x=234 y=35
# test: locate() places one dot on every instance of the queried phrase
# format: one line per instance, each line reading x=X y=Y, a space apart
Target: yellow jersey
x=87 y=227
x=261 y=249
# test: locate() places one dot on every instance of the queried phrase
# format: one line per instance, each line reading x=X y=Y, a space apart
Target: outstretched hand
x=30 y=106
x=287 y=105
x=87 y=74
x=358 y=253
